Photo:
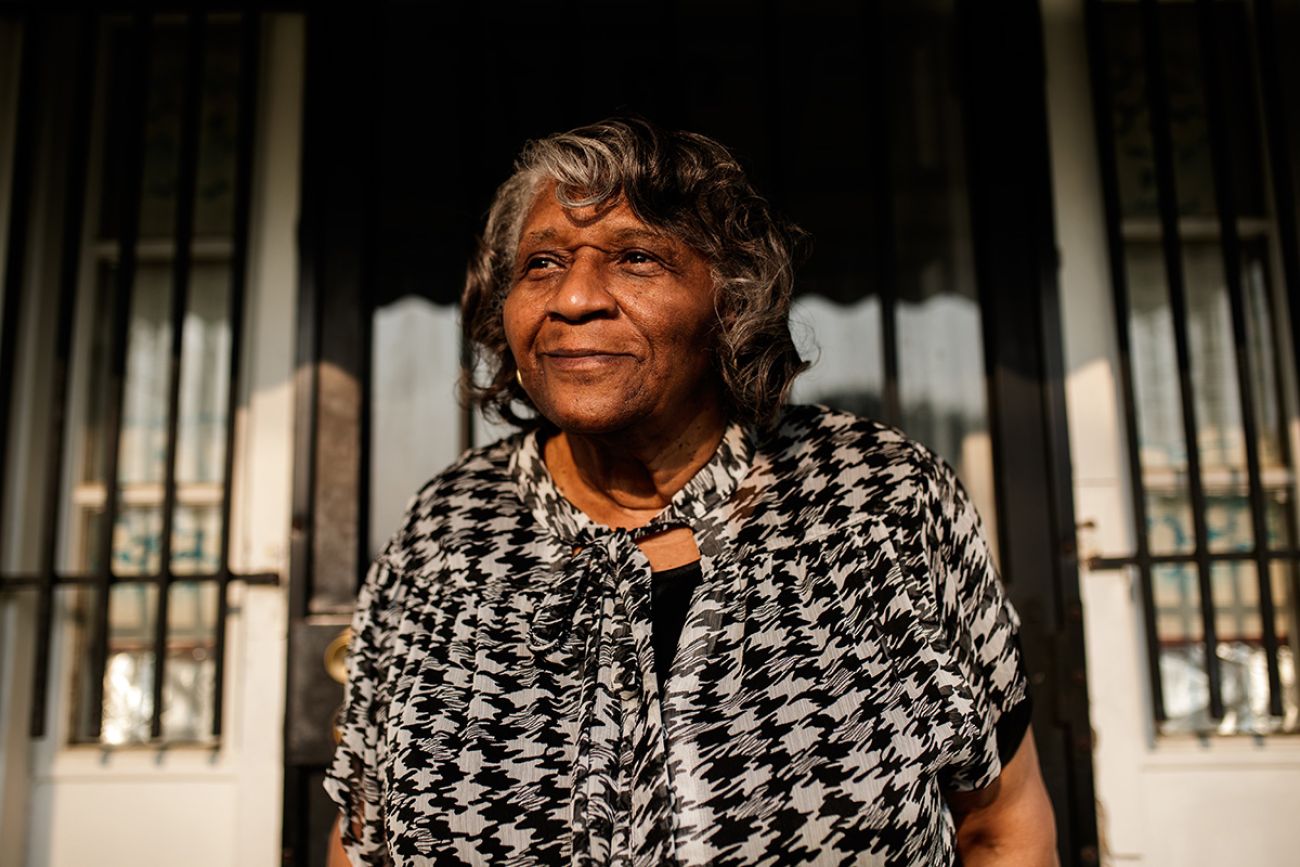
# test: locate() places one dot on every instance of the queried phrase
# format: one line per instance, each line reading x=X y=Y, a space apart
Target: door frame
x=1004 y=98
x=1017 y=271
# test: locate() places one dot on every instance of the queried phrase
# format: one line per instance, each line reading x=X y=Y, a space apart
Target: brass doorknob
x=336 y=656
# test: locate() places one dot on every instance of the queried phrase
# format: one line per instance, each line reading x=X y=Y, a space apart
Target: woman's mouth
x=581 y=359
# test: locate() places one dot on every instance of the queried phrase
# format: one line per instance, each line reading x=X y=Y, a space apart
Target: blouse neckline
x=708 y=489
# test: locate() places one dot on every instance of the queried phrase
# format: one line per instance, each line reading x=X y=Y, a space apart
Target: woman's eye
x=638 y=257
x=539 y=263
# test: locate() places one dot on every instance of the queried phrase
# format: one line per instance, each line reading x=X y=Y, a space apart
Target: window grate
x=1183 y=187
x=133 y=176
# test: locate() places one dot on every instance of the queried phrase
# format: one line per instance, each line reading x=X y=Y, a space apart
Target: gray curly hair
x=683 y=183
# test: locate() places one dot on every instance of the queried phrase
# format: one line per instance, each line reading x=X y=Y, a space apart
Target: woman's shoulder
x=838 y=468
x=836 y=441
x=819 y=453
x=459 y=504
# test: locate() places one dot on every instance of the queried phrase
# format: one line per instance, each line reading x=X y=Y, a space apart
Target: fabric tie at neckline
x=623 y=808
x=604 y=563
x=622 y=749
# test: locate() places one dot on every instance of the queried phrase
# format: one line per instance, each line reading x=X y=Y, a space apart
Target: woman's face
x=610 y=322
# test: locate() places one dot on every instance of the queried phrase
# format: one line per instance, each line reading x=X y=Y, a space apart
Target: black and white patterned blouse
x=846 y=657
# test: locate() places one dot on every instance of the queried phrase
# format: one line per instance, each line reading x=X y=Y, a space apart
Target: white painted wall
x=1161 y=801
x=195 y=807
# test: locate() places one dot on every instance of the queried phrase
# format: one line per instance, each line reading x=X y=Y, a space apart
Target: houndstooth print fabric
x=845 y=659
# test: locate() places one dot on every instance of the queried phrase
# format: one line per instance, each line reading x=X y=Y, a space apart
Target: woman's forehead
x=551 y=223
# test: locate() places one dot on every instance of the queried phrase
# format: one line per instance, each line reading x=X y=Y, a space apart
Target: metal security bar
x=132 y=154
x=248 y=74
x=1119 y=285
x=1213 y=70
x=1279 y=142
x=125 y=134
x=16 y=256
x=23 y=170
x=1158 y=100
x=1151 y=19
x=180 y=291
x=68 y=271
x=883 y=183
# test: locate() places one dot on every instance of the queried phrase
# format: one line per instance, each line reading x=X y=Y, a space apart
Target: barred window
x=135 y=134
x=1198 y=241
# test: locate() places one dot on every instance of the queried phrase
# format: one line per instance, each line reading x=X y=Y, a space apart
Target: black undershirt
x=670 y=597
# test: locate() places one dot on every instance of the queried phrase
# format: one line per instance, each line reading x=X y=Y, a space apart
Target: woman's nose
x=583 y=292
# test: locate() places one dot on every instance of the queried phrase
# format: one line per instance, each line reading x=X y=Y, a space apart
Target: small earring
x=519 y=377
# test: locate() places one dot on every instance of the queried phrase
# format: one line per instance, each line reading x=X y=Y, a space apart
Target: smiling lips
x=581 y=359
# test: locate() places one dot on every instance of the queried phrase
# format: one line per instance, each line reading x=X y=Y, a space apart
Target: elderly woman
x=675 y=621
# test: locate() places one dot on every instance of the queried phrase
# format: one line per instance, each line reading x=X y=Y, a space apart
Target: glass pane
x=148 y=357
x=214 y=199
x=415 y=419
x=1242 y=122
x=941 y=382
x=116 y=50
x=1270 y=416
x=941 y=376
x=95 y=408
x=1284 y=577
x=196 y=530
x=128 y=677
x=1127 y=83
x=1130 y=119
x=136 y=537
x=1243 y=661
x=1220 y=433
x=143 y=444
x=1236 y=603
x=85 y=446
x=205 y=376
x=162 y=130
x=843 y=343
x=1193 y=173
x=202 y=421
x=190 y=673
x=1163 y=450
x=1279 y=510
x=80 y=601
x=1180 y=637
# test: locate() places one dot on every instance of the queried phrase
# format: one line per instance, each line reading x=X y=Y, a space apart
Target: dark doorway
x=909 y=139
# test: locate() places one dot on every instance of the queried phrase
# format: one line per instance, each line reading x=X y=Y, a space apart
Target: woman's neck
x=625 y=479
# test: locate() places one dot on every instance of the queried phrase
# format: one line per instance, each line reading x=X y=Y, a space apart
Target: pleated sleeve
x=983 y=631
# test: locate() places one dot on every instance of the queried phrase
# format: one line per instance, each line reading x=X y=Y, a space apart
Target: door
x=907 y=138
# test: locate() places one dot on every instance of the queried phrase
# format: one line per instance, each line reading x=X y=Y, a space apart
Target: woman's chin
x=634 y=408
x=587 y=417
x=591 y=424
